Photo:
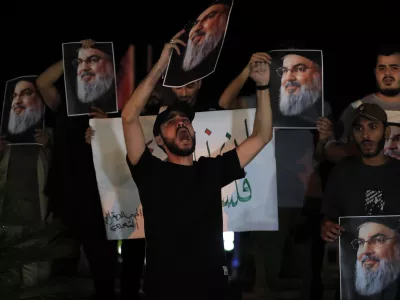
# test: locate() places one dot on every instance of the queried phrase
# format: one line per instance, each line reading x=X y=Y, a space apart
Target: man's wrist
x=262 y=86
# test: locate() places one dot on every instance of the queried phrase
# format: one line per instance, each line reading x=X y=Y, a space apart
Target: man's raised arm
x=262 y=128
x=133 y=133
x=45 y=83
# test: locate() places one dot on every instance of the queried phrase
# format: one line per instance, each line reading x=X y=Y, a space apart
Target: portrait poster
x=204 y=38
x=23 y=111
x=370 y=257
x=392 y=144
x=90 y=78
x=247 y=204
x=126 y=77
x=297 y=89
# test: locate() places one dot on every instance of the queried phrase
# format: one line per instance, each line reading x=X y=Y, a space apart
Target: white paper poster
x=248 y=204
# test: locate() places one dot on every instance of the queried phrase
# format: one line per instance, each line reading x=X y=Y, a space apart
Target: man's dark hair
x=387 y=50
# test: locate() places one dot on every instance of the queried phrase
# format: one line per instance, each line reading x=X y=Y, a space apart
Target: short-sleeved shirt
x=357 y=189
x=182 y=207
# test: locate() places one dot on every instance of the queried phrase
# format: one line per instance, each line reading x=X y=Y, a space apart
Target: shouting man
x=185 y=244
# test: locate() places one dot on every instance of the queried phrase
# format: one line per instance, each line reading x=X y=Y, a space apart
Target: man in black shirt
x=183 y=210
x=365 y=185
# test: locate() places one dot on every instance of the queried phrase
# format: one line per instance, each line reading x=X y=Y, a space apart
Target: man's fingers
x=178 y=41
x=176 y=48
x=338 y=227
x=176 y=36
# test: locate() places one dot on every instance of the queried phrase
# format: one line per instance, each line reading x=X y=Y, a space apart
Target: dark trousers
x=101 y=258
x=133 y=254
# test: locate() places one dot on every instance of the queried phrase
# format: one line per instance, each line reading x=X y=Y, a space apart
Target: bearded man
x=27 y=109
x=195 y=260
x=378 y=256
x=95 y=80
x=366 y=184
x=301 y=83
x=392 y=146
x=206 y=35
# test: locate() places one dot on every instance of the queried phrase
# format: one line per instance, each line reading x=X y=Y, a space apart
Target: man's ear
x=387 y=132
x=199 y=82
x=159 y=140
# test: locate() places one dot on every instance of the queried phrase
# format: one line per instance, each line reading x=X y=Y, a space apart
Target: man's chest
x=376 y=197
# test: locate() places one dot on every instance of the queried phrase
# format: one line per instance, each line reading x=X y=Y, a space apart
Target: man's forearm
x=233 y=89
x=51 y=75
x=263 y=117
x=138 y=99
x=319 y=153
x=335 y=152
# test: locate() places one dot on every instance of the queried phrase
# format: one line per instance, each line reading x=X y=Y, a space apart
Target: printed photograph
x=370 y=257
x=23 y=110
x=90 y=78
x=204 y=38
x=392 y=144
x=296 y=85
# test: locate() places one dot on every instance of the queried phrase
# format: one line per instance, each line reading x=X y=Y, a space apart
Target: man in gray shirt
x=387 y=96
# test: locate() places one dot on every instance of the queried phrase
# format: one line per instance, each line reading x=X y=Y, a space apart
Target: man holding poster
x=365 y=185
x=187 y=199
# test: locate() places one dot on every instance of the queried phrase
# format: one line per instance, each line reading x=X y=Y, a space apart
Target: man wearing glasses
x=95 y=80
x=301 y=82
x=378 y=258
x=392 y=146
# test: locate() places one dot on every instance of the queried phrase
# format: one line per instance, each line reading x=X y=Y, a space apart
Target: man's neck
x=180 y=160
x=378 y=160
x=388 y=98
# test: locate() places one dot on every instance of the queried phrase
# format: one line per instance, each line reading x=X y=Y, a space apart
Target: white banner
x=248 y=204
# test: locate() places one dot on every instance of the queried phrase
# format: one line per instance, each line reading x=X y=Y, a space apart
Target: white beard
x=294 y=105
x=195 y=54
x=369 y=282
x=91 y=91
x=20 y=123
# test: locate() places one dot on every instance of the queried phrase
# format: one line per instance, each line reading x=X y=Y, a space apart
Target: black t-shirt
x=356 y=189
x=183 y=221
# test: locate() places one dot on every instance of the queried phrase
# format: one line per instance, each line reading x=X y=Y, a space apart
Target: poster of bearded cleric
x=392 y=144
x=90 y=78
x=296 y=86
x=370 y=257
x=23 y=111
x=204 y=38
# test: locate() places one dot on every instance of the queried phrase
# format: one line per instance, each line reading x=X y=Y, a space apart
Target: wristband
x=262 y=87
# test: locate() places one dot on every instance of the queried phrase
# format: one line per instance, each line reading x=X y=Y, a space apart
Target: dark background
x=33 y=34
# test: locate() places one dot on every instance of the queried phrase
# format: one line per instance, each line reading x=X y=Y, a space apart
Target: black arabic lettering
x=118 y=220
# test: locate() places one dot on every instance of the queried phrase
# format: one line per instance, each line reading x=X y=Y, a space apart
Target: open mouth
x=183 y=135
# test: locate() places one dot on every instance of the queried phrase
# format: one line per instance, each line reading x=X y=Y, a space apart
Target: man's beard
x=393 y=153
x=91 y=91
x=379 y=147
x=389 y=92
x=295 y=104
x=195 y=54
x=174 y=149
x=370 y=282
x=19 y=123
